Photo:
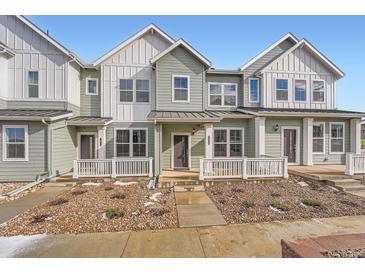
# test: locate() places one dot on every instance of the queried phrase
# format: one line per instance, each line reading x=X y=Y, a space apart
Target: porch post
x=157 y=148
x=101 y=142
x=308 y=141
x=208 y=140
x=355 y=135
x=260 y=136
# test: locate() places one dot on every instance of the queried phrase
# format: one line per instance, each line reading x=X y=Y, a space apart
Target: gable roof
x=150 y=27
x=263 y=53
x=314 y=51
x=50 y=39
x=184 y=44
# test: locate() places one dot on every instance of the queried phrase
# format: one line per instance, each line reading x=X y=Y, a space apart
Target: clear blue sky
x=228 y=41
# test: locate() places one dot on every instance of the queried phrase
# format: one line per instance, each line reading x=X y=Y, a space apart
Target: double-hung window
x=91 y=86
x=126 y=90
x=254 y=90
x=180 y=88
x=137 y=91
x=282 y=89
x=228 y=143
x=300 y=90
x=318 y=91
x=337 y=139
x=142 y=91
x=15 y=143
x=131 y=143
x=318 y=137
x=33 y=87
x=222 y=94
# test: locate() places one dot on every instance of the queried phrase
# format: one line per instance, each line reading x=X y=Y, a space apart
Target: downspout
x=49 y=147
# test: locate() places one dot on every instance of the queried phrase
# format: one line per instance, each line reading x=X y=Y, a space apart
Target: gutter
x=49 y=147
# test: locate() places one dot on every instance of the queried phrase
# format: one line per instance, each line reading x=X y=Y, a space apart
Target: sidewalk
x=244 y=240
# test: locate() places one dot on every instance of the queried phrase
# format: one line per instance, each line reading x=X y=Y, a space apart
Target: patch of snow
x=148 y=203
x=151 y=184
x=91 y=184
x=135 y=213
x=104 y=216
x=10 y=246
x=155 y=196
x=275 y=209
x=118 y=183
x=302 y=183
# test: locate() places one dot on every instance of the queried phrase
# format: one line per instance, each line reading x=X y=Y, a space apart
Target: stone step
x=193 y=188
x=354 y=187
x=347 y=184
x=335 y=182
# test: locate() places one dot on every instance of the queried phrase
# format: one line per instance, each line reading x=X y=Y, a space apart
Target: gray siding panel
x=3 y=104
x=39 y=104
x=89 y=104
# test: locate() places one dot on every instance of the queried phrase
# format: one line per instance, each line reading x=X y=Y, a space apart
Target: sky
x=228 y=41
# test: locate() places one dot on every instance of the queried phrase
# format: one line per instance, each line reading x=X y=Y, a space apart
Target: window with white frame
x=91 y=86
x=228 y=143
x=337 y=137
x=33 y=86
x=282 y=90
x=222 y=94
x=180 y=88
x=15 y=143
x=300 y=90
x=134 y=90
x=126 y=90
x=318 y=137
x=318 y=91
x=142 y=91
x=254 y=90
x=131 y=143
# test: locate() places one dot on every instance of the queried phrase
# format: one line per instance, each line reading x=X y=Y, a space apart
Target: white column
x=260 y=136
x=208 y=140
x=101 y=142
x=355 y=135
x=158 y=142
x=308 y=141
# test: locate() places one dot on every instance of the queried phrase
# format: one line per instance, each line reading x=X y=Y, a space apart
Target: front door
x=290 y=145
x=181 y=151
x=87 y=146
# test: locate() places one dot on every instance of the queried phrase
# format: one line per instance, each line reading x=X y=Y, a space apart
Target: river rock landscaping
x=98 y=208
x=6 y=187
x=252 y=202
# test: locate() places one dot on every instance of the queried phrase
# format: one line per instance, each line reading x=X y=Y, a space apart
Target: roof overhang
x=224 y=71
x=5 y=50
x=34 y=115
x=89 y=121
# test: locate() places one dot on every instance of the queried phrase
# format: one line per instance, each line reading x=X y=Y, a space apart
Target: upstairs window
x=134 y=91
x=15 y=143
x=142 y=91
x=131 y=143
x=180 y=88
x=33 y=87
x=254 y=90
x=300 y=90
x=228 y=143
x=318 y=91
x=282 y=89
x=91 y=86
x=337 y=144
x=318 y=137
x=222 y=94
x=126 y=90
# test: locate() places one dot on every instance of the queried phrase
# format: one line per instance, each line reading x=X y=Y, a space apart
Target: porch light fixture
x=276 y=127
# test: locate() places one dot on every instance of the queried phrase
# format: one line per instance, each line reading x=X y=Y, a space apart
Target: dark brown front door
x=87 y=150
x=290 y=145
x=181 y=151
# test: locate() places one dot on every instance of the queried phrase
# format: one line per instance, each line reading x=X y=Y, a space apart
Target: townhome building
x=156 y=101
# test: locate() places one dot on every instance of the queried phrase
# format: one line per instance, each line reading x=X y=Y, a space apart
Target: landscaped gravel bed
x=345 y=253
x=269 y=201
x=85 y=209
x=7 y=187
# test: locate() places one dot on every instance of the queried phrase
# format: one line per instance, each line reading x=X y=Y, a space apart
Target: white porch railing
x=355 y=164
x=116 y=167
x=223 y=168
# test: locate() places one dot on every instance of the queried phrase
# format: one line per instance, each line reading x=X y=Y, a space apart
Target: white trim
x=173 y=88
x=26 y=144
x=297 y=156
x=258 y=89
x=173 y=134
x=324 y=138
x=228 y=143
x=324 y=91
x=87 y=79
x=130 y=129
x=222 y=95
x=306 y=91
x=276 y=90
x=95 y=134
x=330 y=138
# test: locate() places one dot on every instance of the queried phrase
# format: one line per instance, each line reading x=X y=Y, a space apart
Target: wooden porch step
x=193 y=188
x=347 y=184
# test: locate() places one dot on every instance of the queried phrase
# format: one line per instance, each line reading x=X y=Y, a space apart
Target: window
x=228 y=143
x=318 y=91
x=33 y=88
x=318 y=137
x=300 y=90
x=91 y=86
x=142 y=91
x=337 y=137
x=281 y=89
x=126 y=90
x=15 y=143
x=131 y=143
x=180 y=89
x=129 y=87
x=254 y=90
x=222 y=94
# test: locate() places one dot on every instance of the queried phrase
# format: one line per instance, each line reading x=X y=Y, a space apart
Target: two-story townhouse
x=154 y=96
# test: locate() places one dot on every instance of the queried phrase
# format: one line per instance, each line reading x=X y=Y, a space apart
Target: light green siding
x=89 y=104
x=179 y=62
x=250 y=141
x=2 y=104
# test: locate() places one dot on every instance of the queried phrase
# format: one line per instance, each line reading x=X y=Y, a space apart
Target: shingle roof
x=89 y=121
x=33 y=115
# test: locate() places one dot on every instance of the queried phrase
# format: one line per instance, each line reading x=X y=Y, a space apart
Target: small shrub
x=311 y=202
x=238 y=190
x=247 y=204
x=275 y=195
x=221 y=201
x=158 y=211
x=56 y=202
x=108 y=188
x=112 y=213
x=118 y=196
x=40 y=218
x=78 y=192
x=279 y=206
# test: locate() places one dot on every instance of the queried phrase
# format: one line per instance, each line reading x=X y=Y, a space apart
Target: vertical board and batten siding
x=179 y=62
x=73 y=84
x=37 y=163
x=89 y=104
x=301 y=65
x=260 y=63
x=131 y=62
x=3 y=78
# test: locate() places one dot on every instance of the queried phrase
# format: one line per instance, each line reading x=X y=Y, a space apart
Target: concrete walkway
x=11 y=209
x=244 y=240
x=195 y=209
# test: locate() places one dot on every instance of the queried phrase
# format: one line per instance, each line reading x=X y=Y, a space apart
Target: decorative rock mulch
x=250 y=202
x=7 y=187
x=83 y=207
x=345 y=253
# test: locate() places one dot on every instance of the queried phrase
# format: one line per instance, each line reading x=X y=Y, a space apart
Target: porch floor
x=320 y=172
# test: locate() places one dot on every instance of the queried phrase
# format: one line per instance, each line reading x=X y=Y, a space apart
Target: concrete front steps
x=348 y=184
